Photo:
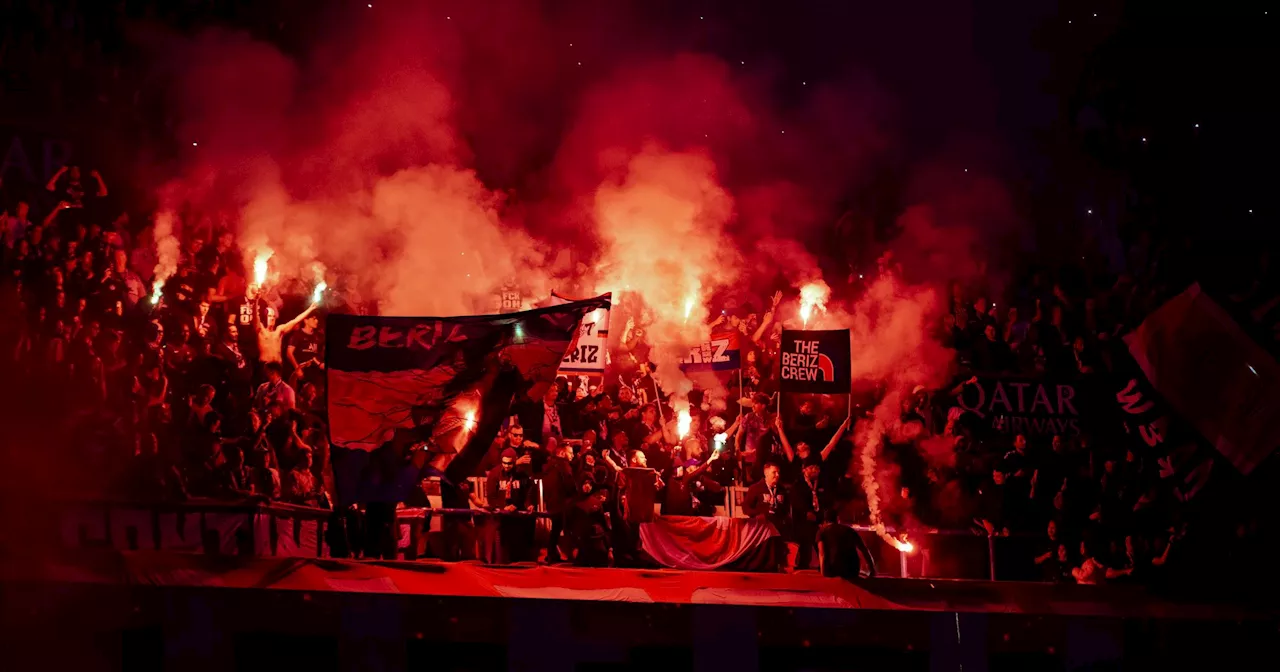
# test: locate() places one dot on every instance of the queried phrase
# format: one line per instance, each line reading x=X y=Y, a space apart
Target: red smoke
x=437 y=152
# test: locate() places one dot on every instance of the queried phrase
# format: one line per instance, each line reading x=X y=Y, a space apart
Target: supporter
x=992 y=505
x=768 y=498
x=558 y=490
x=69 y=188
x=589 y=520
x=299 y=485
x=271 y=335
x=542 y=419
x=233 y=478
x=238 y=370
x=512 y=438
x=645 y=432
x=1047 y=561
x=799 y=456
x=618 y=454
x=841 y=550
x=266 y=477
x=810 y=501
x=275 y=390
x=509 y=490
x=689 y=489
x=1091 y=571
x=13 y=227
x=754 y=446
x=303 y=352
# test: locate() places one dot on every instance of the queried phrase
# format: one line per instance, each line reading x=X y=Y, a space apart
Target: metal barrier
x=254 y=527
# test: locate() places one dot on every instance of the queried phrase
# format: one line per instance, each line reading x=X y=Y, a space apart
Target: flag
x=816 y=361
x=721 y=353
x=408 y=395
x=588 y=355
x=1213 y=374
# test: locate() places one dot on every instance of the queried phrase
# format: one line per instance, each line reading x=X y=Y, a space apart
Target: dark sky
x=1057 y=89
x=1080 y=104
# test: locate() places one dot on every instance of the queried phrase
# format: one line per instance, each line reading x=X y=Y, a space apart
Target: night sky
x=1155 y=114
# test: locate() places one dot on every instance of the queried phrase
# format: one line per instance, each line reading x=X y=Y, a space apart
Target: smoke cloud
x=429 y=156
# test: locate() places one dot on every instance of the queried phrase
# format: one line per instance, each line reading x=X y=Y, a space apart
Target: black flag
x=409 y=395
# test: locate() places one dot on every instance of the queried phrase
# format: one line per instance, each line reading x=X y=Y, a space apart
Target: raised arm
x=609 y=459
x=102 y=186
x=782 y=436
x=768 y=318
x=831 y=445
x=1159 y=560
x=733 y=429
x=959 y=389
x=48 y=219
x=287 y=326
x=53 y=181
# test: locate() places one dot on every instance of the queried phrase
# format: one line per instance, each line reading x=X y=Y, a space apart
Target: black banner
x=408 y=395
x=1154 y=430
x=817 y=362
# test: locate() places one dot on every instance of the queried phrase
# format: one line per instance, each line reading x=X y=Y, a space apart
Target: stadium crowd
x=217 y=389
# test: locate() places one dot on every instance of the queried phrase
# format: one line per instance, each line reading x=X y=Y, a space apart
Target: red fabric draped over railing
x=688 y=542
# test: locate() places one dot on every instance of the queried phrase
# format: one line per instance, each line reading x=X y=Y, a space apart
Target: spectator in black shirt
x=591 y=527
x=991 y=353
x=840 y=550
x=509 y=490
x=303 y=352
x=1048 y=553
x=801 y=454
x=66 y=183
x=238 y=369
x=810 y=500
x=991 y=505
x=558 y=491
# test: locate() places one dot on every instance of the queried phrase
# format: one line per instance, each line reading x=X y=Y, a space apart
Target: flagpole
x=741 y=389
x=657 y=398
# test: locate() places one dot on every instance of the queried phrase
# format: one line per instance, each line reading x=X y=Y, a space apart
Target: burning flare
x=469 y=420
x=813 y=297
x=683 y=422
x=167 y=252
x=318 y=294
x=867 y=460
x=260 y=267
x=689 y=302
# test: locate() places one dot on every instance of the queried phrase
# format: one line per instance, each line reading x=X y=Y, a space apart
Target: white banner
x=589 y=352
